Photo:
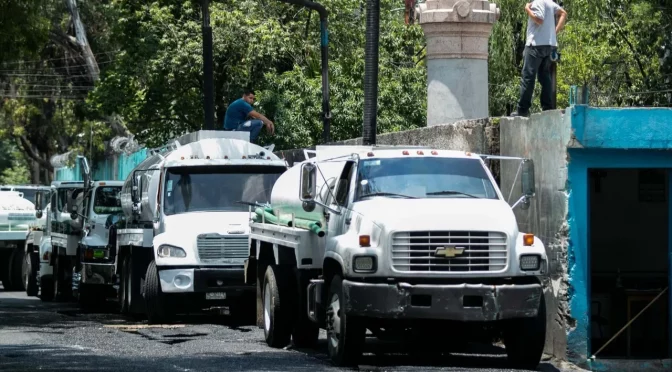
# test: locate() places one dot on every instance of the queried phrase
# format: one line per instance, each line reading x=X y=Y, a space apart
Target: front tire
x=157 y=308
x=524 y=339
x=277 y=311
x=31 y=264
x=345 y=333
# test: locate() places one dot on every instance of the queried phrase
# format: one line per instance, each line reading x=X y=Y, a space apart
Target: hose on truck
x=268 y=215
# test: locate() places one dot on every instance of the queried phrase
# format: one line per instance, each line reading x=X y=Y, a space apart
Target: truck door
x=338 y=224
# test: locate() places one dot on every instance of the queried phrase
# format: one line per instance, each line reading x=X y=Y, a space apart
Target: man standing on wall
x=540 y=46
x=236 y=117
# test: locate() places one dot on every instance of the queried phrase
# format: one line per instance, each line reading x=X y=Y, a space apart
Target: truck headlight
x=166 y=250
x=364 y=264
x=530 y=262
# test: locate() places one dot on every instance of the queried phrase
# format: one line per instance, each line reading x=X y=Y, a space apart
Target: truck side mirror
x=38 y=205
x=85 y=170
x=136 y=188
x=308 y=182
x=527 y=178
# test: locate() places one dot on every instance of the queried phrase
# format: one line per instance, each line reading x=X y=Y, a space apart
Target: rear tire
x=16 y=270
x=31 y=264
x=157 y=308
x=345 y=333
x=524 y=339
x=124 y=285
x=47 y=289
x=277 y=311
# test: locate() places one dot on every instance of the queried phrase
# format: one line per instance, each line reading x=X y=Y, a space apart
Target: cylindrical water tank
x=285 y=195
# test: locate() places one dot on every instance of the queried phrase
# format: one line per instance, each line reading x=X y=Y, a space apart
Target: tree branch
x=29 y=150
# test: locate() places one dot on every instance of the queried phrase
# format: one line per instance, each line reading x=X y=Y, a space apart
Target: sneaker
x=523 y=114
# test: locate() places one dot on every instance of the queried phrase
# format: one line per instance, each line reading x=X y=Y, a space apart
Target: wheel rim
x=267 y=307
x=334 y=321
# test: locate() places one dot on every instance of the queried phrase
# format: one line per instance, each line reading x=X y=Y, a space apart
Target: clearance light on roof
x=467 y=153
x=435 y=152
x=181 y=157
x=268 y=158
x=244 y=157
x=420 y=152
x=369 y=154
x=405 y=152
x=226 y=156
x=207 y=157
x=102 y=184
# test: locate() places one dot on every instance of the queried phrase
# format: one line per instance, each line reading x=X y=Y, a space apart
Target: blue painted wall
x=607 y=138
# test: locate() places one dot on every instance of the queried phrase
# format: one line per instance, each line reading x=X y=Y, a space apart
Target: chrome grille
x=217 y=248
x=480 y=251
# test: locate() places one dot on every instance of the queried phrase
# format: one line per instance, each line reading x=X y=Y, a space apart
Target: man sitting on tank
x=238 y=112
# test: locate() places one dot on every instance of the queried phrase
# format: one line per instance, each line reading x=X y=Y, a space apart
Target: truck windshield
x=29 y=194
x=209 y=189
x=423 y=177
x=107 y=200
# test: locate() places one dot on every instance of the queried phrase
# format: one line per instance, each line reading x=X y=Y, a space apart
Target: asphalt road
x=59 y=337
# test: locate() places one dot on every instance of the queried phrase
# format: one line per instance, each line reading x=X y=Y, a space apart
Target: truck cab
x=94 y=274
x=17 y=219
x=410 y=242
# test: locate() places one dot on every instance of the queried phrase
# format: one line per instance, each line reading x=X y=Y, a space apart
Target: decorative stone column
x=457 y=33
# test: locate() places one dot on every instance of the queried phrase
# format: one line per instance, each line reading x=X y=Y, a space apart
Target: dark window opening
x=628 y=232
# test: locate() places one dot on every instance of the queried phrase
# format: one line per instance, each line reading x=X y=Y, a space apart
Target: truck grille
x=217 y=248
x=458 y=251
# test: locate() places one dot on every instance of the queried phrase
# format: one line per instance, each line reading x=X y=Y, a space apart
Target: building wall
x=543 y=138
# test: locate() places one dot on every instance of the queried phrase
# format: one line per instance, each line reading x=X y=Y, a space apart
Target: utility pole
x=208 y=75
x=371 y=72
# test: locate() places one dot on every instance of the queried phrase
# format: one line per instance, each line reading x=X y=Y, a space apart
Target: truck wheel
x=305 y=332
x=47 y=289
x=156 y=306
x=124 y=285
x=30 y=266
x=16 y=270
x=89 y=297
x=277 y=309
x=345 y=333
x=524 y=339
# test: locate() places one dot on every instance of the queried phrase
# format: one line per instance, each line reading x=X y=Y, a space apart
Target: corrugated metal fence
x=117 y=168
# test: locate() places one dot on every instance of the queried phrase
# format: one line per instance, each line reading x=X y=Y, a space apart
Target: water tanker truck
x=17 y=218
x=409 y=243
x=183 y=237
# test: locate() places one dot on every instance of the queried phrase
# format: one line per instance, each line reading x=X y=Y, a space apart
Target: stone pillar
x=457 y=33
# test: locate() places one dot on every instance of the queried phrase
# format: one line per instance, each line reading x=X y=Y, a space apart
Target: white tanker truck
x=410 y=243
x=183 y=237
x=17 y=218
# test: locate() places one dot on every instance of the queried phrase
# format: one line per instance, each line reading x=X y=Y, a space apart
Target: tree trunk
x=80 y=34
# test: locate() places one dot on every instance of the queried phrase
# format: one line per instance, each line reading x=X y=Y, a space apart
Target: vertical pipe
x=371 y=72
x=208 y=78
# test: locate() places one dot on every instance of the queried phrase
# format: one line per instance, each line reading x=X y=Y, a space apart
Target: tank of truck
x=285 y=195
x=205 y=151
x=16 y=213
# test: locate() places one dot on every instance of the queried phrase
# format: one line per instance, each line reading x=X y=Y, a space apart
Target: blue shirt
x=236 y=113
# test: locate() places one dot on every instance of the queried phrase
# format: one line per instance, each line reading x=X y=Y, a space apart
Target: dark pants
x=537 y=63
x=252 y=126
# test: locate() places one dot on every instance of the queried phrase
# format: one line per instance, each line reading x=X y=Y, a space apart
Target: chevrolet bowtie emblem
x=449 y=251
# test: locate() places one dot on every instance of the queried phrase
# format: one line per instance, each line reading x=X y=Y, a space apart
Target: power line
x=56 y=59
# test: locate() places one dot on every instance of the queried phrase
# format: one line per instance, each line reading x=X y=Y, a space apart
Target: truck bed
x=308 y=247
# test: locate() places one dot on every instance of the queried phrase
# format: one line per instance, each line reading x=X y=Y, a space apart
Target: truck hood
x=391 y=214
x=196 y=223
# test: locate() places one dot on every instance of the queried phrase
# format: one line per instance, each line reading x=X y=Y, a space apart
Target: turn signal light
x=364 y=241
x=528 y=239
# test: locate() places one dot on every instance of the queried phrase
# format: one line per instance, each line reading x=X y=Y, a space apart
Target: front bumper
x=460 y=302
x=102 y=274
x=202 y=280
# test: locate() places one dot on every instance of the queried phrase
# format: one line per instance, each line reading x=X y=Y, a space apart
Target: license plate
x=98 y=254
x=215 y=296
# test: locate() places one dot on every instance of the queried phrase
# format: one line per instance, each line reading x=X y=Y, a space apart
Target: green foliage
x=16 y=171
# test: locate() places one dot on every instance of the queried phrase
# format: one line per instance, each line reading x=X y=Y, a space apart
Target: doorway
x=628 y=236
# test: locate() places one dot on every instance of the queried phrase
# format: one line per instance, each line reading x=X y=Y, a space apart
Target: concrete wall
x=544 y=138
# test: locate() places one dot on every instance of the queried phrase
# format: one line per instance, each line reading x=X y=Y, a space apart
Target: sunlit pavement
x=35 y=335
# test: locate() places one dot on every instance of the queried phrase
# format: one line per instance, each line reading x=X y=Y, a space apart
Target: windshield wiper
x=452 y=192
x=388 y=194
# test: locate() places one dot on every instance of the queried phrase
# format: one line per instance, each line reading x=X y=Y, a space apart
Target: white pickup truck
x=410 y=243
